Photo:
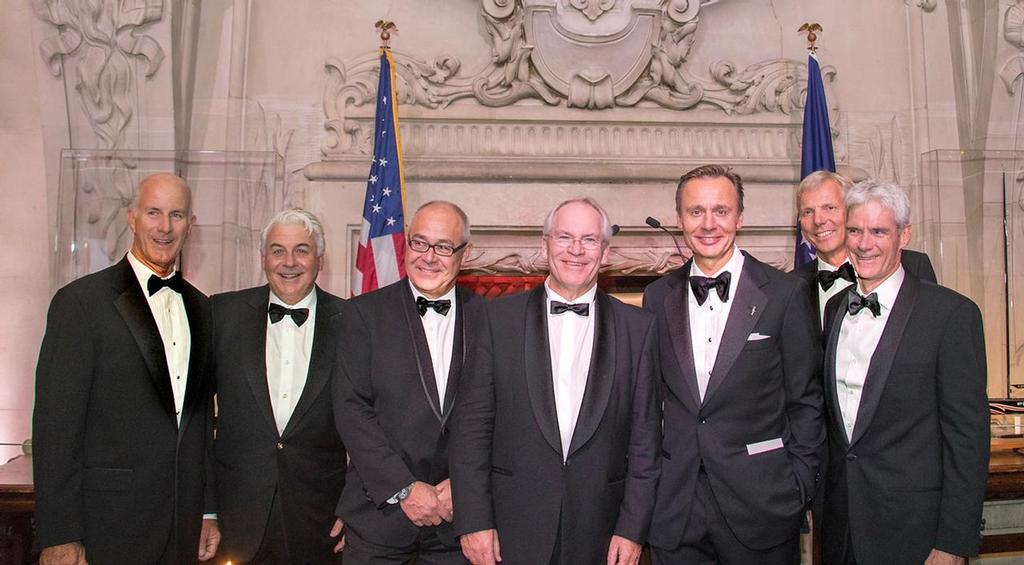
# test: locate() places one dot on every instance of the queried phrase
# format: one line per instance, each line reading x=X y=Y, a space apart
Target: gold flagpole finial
x=812 y=30
x=386 y=28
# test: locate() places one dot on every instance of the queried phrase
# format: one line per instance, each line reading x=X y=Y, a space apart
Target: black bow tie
x=828 y=278
x=701 y=286
x=858 y=303
x=582 y=308
x=278 y=312
x=440 y=306
x=175 y=283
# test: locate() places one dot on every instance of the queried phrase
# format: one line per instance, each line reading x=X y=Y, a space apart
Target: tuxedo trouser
x=708 y=539
x=426 y=550
x=274 y=548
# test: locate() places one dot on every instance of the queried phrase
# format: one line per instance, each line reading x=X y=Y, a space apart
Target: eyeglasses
x=440 y=249
x=565 y=240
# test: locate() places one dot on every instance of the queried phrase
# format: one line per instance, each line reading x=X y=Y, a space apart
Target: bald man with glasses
x=402 y=354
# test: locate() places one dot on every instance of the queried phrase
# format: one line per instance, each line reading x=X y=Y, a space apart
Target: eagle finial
x=386 y=28
x=812 y=30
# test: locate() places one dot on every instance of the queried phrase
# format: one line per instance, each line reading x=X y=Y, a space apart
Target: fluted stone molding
x=100 y=38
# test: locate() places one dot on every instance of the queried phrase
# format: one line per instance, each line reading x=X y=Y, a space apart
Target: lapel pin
x=752 y=310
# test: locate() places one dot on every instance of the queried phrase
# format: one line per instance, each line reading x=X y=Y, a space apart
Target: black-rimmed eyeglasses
x=441 y=249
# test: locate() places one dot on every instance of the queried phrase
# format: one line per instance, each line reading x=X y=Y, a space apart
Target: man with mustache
x=555 y=435
x=740 y=360
x=279 y=462
x=822 y=217
x=122 y=414
x=403 y=349
x=908 y=416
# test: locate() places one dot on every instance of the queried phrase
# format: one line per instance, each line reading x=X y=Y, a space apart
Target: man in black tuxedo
x=402 y=351
x=122 y=414
x=555 y=436
x=908 y=417
x=822 y=217
x=279 y=462
x=740 y=360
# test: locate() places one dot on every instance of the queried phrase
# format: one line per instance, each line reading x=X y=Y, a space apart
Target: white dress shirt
x=707 y=321
x=440 y=332
x=571 y=344
x=825 y=295
x=858 y=338
x=168 y=310
x=289 y=347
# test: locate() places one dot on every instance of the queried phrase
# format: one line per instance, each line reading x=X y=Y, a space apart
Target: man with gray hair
x=822 y=218
x=908 y=416
x=555 y=439
x=280 y=464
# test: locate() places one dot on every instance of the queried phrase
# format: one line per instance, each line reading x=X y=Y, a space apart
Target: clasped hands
x=429 y=505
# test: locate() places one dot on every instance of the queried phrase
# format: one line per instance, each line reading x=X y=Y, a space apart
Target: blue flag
x=817 y=145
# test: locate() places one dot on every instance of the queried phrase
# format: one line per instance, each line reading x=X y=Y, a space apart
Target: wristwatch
x=402 y=494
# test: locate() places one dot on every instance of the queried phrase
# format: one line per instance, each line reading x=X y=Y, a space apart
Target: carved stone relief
x=101 y=37
x=591 y=54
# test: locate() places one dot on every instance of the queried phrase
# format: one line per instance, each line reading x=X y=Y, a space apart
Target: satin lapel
x=601 y=375
x=134 y=310
x=749 y=304
x=885 y=353
x=677 y=316
x=460 y=345
x=320 y=361
x=837 y=316
x=252 y=335
x=199 y=341
x=537 y=361
x=815 y=293
x=424 y=365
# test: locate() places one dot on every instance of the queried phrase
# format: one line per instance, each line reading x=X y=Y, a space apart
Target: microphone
x=657 y=225
x=615 y=229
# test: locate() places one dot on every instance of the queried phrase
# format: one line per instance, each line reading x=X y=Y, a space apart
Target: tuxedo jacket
x=912 y=476
x=305 y=464
x=113 y=468
x=507 y=465
x=765 y=385
x=913 y=262
x=387 y=408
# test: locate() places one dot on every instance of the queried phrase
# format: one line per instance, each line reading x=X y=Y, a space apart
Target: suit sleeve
x=210 y=397
x=801 y=359
x=381 y=468
x=471 y=440
x=644 y=470
x=63 y=380
x=964 y=423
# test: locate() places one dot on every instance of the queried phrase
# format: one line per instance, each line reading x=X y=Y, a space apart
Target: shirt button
x=284 y=396
x=178 y=377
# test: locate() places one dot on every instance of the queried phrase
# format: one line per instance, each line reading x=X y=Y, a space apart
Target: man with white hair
x=280 y=464
x=822 y=218
x=908 y=415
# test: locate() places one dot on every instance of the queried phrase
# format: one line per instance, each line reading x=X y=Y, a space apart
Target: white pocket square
x=757 y=337
x=764 y=446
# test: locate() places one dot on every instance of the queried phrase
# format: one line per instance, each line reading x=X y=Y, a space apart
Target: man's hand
x=481 y=548
x=936 y=557
x=623 y=551
x=422 y=506
x=336 y=530
x=209 y=539
x=444 y=496
x=72 y=553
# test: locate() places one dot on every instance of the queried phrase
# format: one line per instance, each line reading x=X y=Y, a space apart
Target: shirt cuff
x=210 y=516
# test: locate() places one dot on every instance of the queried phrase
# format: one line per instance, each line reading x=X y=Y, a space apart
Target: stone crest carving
x=591 y=54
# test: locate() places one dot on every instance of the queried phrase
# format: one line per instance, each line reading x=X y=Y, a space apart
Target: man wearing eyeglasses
x=403 y=350
x=555 y=439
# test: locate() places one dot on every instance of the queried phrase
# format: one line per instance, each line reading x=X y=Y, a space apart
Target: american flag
x=380 y=259
x=817 y=152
